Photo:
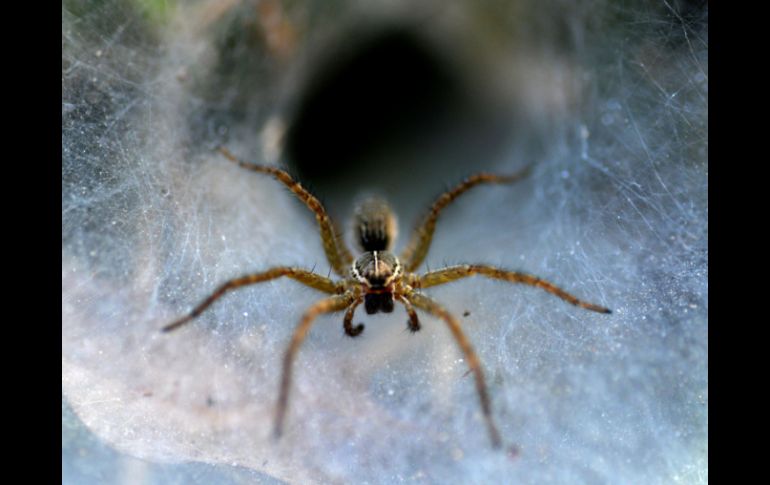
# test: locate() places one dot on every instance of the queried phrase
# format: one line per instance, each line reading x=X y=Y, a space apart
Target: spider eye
x=376 y=281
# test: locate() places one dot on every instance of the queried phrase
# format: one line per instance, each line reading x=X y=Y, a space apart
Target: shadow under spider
x=378 y=278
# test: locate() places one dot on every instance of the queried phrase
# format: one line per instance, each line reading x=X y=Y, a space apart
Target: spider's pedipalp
x=327 y=305
x=419 y=243
x=347 y=322
x=334 y=246
x=424 y=303
x=414 y=322
x=452 y=273
x=303 y=276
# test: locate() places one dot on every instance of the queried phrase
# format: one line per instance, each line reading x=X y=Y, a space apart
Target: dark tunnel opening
x=380 y=94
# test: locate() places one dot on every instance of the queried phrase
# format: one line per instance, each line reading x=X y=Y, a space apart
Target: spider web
x=609 y=99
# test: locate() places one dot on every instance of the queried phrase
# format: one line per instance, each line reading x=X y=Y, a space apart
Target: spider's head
x=376 y=269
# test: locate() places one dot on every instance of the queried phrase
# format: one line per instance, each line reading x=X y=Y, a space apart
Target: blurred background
x=607 y=101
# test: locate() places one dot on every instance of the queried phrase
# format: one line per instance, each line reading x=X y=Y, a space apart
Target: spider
x=378 y=278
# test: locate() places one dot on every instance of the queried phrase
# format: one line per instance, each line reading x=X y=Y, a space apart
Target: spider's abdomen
x=375 y=225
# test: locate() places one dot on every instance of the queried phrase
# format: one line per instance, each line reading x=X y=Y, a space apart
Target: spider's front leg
x=327 y=305
x=303 y=276
x=424 y=303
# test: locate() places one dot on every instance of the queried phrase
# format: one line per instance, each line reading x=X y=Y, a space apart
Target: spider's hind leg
x=334 y=246
x=419 y=242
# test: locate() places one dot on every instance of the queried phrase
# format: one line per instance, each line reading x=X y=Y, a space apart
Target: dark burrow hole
x=375 y=97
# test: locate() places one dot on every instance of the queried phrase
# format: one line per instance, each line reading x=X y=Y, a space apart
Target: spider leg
x=327 y=305
x=431 y=306
x=334 y=246
x=414 y=322
x=347 y=322
x=419 y=243
x=305 y=277
x=452 y=273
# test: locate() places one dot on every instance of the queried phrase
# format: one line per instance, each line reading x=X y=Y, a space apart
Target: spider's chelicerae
x=378 y=278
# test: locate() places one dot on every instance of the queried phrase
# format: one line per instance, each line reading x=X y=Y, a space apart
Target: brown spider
x=378 y=277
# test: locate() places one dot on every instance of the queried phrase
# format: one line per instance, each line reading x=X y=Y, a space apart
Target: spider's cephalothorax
x=378 y=278
x=377 y=271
